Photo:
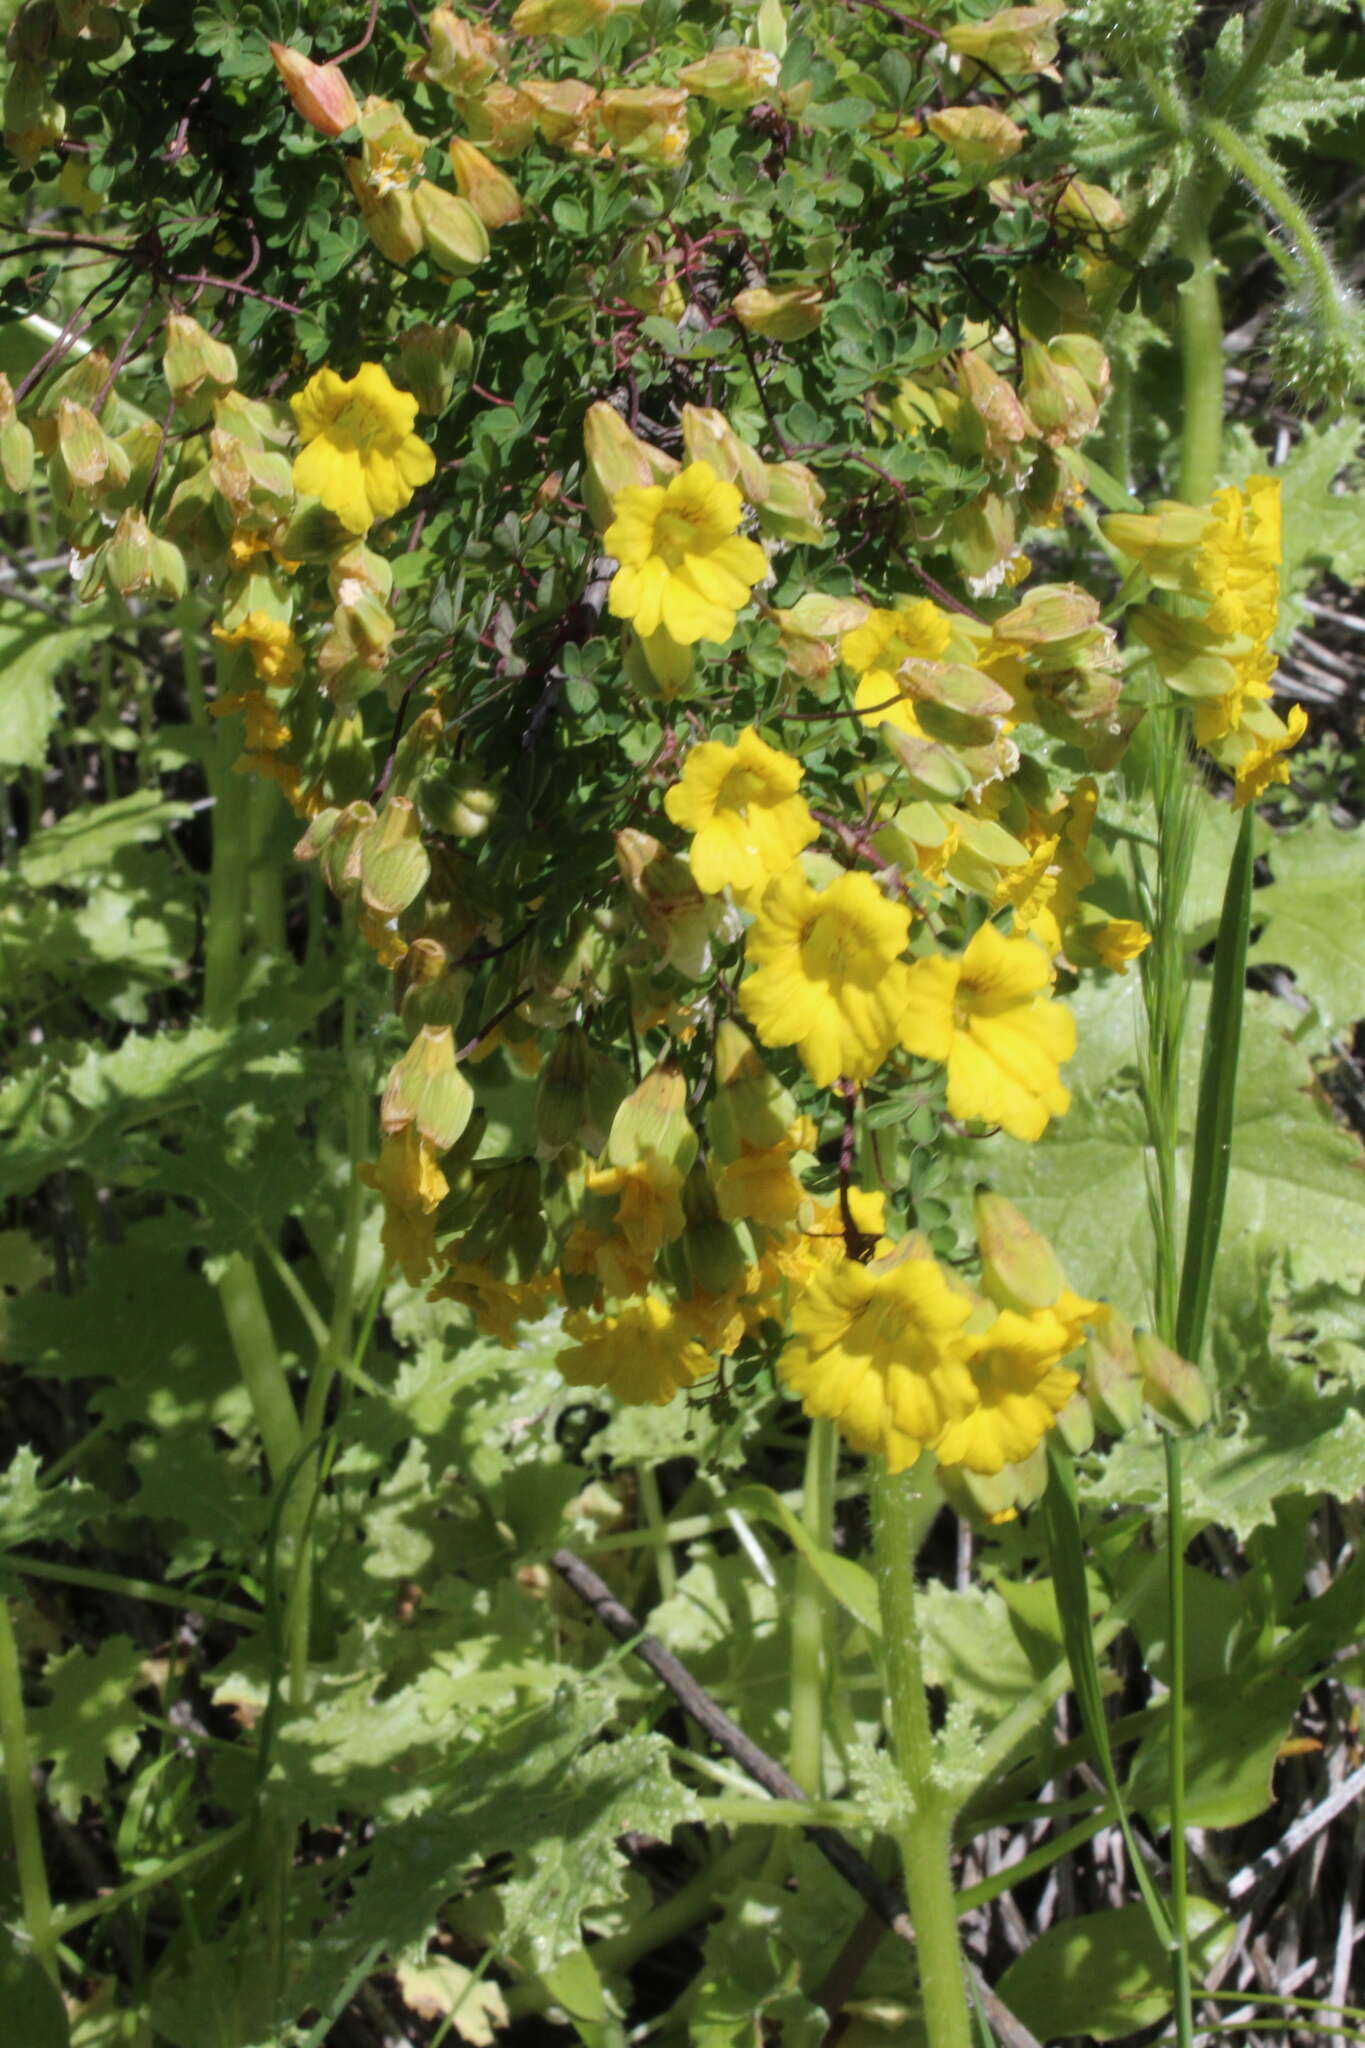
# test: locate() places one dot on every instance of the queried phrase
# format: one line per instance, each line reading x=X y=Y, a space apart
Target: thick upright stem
x=34 y=1895
x=809 y=1611
x=925 y=1839
x=1201 y=362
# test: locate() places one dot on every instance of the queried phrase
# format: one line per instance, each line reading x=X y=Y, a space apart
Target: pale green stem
x=656 y=1524
x=1201 y=361
x=229 y=873
x=925 y=1838
x=34 y=1895
x=810 y=1610
x=110 y=1902
x=1274 y=20
x=185 y=1599
x=266 y=878
x=258 y=1360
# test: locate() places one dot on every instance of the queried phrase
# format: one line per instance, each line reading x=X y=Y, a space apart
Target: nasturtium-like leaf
x=1105 y=1975
x=1312 y=916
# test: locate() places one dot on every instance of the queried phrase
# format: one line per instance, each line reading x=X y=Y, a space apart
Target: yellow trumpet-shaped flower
x=1021 y=1389
x=685 y=566
x=644 y=1354
x=360 y=456
x=985 y=1013
x=743 y=807
x=881 y=1350
x=828 y=976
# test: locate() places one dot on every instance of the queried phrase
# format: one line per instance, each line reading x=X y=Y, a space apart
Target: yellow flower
x=828 y=978
x=881 y=1350
x=648 y=1196
x=498 y=1306
x=985 y=1014
x=265 y=732
x=684 y=565
x=1263 y=763
x=360 y=456
x=644 y=1354
x=1239 y=560
x=1021 y=1389
x=759 y=1186
x=1117 y=941
x=742 y=805
x=917 y=631
x=274 y=651
x=413 y=1187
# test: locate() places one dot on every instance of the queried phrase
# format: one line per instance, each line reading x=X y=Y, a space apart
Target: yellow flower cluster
x=1227 y=554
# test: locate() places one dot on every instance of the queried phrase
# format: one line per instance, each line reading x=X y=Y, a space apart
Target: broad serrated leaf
x=30 y=1513
x=91 y=1718
x=86 y=840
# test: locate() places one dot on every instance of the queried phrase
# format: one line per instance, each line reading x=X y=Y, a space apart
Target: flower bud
x=433 y=364
x=614 y=459
x=427 y=989
x=733 y=78
x=508 y=1230
x=791 y=510
x=489 y=191
x=677 y=917
x=708 y=437
x=997 y=420
x=716 y=1253
x=656 y=665
x=813 y=630
x=1113 y=1383
x=1176 y=1389
x=502 y=120
x=128 y=558
x=1076 y=1425
x=981 y=138
x=1054 y=624
x=334 y=839
x=393 y=861
x=428 y=1088
x=652 y=1122
x=648 y=123
x=562 y=107
x=458 y=801
x=464 y=54
x=1017 y=41
x=561 y=1089
x=197 y=368
x=1057 y=396
x=319 y=92
x=750 y=1107
x=785 y=314
x=389 y=218
x=1019 y=1269
x=16 y=442
x=455 y=237
x=33 y=119
x=559 y=17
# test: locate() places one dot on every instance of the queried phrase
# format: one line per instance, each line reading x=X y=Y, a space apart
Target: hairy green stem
x=1273 y=22
x=1180 y=1894
x=34 y=1895
x=1258 y=169
x=810 y=1610
x=925 y=1838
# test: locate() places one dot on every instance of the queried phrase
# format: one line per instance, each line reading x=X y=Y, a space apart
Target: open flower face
x=1022 y=1388
x=744 y=808
x=360 y=456
x=644 y=1354
x=987 y=1015
x=685 y=566
x=881 y=1350
x=828 y=975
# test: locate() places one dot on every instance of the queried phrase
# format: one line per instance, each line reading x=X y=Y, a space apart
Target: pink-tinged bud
x=1001 y=420
x=735 y=78
x=319 y=92
x=464 y=55
x=648 y=123
x=1176 y=1389
x=455 y=237
x=785 y=314
x=489 y=191
x=1019 y=1269
x=559 y=17
x=501 y=119
x=562 y=107
x=981 y=138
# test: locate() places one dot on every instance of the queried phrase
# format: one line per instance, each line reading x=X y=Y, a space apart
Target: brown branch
x=881 y=1898
x=364 y=42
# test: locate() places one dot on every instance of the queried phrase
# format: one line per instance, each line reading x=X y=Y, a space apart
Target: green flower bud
x=508 y=1230
x=393 y=861
x=1019 y=1268
x=750 y=1106
x=128 y=557
x=562 y=1088
x=653 y=1123
x=1176 y=1389
x=433 y=364
x=1113 y=1382
x=16 y=442
x=452 y=233
x=785 y=314
x=428 y=1088
x=197 y=368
